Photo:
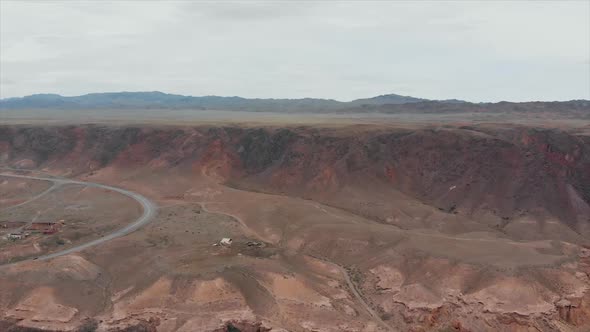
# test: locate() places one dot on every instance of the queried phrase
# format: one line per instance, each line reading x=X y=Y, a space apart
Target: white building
x=226 y=241
x=15 y=236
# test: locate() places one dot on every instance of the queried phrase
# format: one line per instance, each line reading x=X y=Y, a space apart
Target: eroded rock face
x=506 y=172
x=546 y=299
x=40 y=309
x=143 y=326
x=243 y=326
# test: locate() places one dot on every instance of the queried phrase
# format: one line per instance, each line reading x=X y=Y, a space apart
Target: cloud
x=480 y=51
x=247 y=11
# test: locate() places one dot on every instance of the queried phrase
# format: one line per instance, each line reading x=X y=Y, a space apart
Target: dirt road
x=34 y=198
x=361 y=300
x=149 y=211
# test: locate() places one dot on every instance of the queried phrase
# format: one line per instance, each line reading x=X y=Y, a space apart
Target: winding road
x=148 y=207
x=149 y=211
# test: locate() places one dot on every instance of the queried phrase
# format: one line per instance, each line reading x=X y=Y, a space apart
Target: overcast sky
x=477 y=51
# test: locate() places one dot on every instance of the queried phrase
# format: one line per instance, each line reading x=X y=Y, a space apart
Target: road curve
x=149 y=211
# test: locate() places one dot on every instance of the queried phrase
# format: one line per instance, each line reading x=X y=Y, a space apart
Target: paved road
x=149 y=211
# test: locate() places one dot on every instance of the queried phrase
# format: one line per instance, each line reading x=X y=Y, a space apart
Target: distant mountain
x=390 y=99
x=160 y=100
x=390 y=103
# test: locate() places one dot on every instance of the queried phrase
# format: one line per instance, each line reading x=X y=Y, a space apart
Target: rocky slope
x=499 y=174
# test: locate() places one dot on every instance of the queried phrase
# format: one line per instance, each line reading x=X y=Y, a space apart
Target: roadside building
x=45 y=227
x=226 y=241
x=15 y=236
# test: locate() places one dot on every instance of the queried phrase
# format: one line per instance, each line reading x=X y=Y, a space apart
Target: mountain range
x=389 y=103
x=160 y=100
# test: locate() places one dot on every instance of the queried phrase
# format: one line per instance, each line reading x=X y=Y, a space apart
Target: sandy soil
x=18 y=191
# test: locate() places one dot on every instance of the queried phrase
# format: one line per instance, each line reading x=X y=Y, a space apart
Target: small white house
x=15 y=236
x=226 y=241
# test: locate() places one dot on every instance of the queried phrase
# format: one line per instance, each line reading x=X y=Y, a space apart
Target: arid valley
x=335 y=225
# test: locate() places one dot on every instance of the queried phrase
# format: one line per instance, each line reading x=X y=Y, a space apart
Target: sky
x=476 y=51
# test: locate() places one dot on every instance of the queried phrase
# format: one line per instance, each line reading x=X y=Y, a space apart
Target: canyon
x=336 y=226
